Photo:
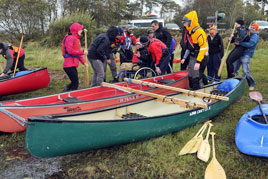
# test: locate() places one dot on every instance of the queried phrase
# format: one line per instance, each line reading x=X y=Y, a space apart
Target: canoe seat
x=131 y=116
x=71 y=100
x=166 y=81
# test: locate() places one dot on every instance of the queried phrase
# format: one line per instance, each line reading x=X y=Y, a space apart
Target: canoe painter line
x=17 y=118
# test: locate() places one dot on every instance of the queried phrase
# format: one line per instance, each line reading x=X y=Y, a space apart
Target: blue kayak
x=251 y=135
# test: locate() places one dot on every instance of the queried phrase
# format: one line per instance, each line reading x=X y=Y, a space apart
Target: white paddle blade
x=197 y=145
x=214 y=170
x=204 y=151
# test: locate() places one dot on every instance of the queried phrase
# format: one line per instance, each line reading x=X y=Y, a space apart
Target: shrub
x=59 y=28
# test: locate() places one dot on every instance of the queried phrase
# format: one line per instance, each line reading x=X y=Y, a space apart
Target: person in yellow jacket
x=198 y=47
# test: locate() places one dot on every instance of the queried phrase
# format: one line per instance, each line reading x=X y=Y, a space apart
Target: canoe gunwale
x=53 y=118
x=80 y=102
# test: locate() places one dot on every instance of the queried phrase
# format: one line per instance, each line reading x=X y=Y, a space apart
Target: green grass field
x=154 y=158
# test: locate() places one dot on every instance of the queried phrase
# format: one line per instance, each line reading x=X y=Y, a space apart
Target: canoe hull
x=251 y=137
x=98 y=97
x=34 y=80
x=67 y=137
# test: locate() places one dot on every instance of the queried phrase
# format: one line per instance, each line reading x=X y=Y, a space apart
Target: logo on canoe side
x=131 y=98
x=72 y=109
x=199 y=111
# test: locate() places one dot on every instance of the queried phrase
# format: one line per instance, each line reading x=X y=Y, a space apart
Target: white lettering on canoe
x=199 y=111
x=131 y=98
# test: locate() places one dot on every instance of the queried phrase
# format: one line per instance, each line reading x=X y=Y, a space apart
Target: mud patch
x=32 y=168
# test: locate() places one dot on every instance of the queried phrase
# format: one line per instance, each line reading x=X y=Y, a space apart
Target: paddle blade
x=255 y=95
x=188 y=146
x=214 y=170
x=204 y=151
x=86 y=78
x=195 y=148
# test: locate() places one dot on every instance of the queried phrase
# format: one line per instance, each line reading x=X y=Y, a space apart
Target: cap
x=149 y=31
x=241 y=22
x=144 y=39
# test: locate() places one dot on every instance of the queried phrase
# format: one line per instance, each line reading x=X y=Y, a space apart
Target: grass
x=154 y=158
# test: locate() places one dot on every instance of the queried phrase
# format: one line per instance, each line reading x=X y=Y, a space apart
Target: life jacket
x=15 y=50
x=127 y=44
x=76 y=47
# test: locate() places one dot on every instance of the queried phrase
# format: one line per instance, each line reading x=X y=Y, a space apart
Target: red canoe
x=24 y=81
x=14 y=114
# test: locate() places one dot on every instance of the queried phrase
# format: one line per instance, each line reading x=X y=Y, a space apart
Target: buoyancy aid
x=76 y=47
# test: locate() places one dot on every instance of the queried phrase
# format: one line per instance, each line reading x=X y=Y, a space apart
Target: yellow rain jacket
x=198 y=35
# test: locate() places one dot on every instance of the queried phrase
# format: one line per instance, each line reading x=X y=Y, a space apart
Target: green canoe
x=56 y=135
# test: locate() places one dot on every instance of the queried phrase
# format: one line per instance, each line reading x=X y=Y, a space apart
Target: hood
x=194 y=21
x=75 y=27
x=112 y=32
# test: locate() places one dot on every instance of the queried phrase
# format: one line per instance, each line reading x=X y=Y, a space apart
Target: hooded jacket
x=251 y=44
x=100 y=48
x=157 y=49
x=215 y=44
x=71 y=48
x=163 y=34
x=198 y=36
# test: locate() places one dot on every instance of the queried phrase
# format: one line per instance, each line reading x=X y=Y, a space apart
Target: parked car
x=172 y=26
x=263 y=25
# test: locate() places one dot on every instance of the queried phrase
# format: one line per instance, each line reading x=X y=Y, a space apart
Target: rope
x=15 y=117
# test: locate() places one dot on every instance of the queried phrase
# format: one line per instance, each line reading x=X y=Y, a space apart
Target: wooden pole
x=86 y=76
x=18 y=55
x=162 y=98
x=223 y=61
x=184 y=91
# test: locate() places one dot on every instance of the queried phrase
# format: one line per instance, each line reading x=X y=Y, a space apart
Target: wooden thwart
x=185 y=91
x=162 y=98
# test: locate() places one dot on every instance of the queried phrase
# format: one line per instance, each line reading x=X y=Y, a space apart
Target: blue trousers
x=245 y=62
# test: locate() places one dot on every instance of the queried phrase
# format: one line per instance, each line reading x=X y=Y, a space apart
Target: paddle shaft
x=262 y=112
x=184 y=91
x=164 y=99
x=213 y=144
x=18 y=56
x=86 y=69
x=226 y=54
x=210 y=125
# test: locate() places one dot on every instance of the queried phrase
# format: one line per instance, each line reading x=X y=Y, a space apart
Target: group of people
x=200 y=51
x=155 y=50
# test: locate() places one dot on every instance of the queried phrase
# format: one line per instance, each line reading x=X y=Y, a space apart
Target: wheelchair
x=135 y=71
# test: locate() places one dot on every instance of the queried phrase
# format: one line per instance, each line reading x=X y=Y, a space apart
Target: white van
x=144 y=23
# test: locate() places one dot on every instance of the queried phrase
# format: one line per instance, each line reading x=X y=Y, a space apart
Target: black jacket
x=7 y=55
x=163 y=34
x=241 y=35
x=215 y=45
x=100 y=48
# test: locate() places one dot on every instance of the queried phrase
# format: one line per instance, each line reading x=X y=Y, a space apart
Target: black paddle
x=255 y=95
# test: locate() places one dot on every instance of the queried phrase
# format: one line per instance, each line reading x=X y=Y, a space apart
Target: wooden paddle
x=223 y=61
x=86 y=76
x=255 y=95
x=214 y=169
x=18 y=56
x=204 y=150
x=162 y=98
x=184 y=91
x=198 y=141
x=190 y=144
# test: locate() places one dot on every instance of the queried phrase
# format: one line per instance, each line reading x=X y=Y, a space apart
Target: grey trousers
x=98 y=72
x=112 y=66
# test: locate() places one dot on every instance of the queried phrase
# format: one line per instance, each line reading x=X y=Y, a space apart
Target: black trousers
x=20 y=64
x=235 y=54
x=125 y=55
x=186 y=62
x=73 y=76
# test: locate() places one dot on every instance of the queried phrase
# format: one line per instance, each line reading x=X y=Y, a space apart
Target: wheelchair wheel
x=144 y=72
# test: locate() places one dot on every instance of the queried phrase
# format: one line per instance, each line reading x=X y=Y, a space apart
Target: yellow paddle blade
x=198 y=141
x=214 y=170
x=188 y=146
x=204 y=151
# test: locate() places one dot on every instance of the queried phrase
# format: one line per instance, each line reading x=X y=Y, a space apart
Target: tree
x=26 y=16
